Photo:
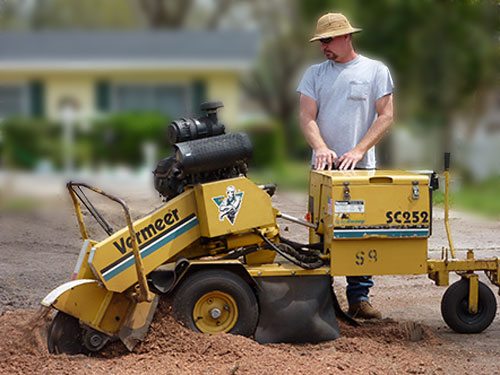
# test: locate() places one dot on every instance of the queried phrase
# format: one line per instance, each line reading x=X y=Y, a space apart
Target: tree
x=176 y=14
x=162 y=14
x=115 y=14
x=81 y=14
x=273 y=81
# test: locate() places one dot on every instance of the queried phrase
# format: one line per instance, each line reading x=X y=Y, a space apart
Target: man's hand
x=324 y=157
x=350 y=159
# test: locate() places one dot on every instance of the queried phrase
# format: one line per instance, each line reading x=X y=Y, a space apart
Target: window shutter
x=37 y=98
x=103 y=96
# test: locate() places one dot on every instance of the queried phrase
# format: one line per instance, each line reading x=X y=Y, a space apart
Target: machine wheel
x=455 y=308
x=65 y=335
x=214 y=301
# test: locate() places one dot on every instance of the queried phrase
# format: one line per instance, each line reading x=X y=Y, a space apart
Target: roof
x=89 y=50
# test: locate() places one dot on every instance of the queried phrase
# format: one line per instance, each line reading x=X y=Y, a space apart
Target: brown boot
x=364 y=310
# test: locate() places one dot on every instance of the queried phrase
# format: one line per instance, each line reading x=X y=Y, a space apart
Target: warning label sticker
x=350 y=207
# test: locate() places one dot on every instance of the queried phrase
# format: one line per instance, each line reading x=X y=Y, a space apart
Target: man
x=345 y=109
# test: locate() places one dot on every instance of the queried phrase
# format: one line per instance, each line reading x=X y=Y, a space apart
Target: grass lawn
x=482 y=198
x=291 y=176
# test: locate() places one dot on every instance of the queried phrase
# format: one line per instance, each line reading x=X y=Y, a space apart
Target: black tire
x=455 y=308
x=195 y=289
x=65 y=335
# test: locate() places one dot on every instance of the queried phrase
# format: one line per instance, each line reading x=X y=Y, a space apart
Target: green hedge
x=268 y=143
x=114 y=140
x=119 y=139
x=27 y=141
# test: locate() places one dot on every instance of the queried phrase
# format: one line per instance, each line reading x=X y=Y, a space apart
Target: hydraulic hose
x=289 y=253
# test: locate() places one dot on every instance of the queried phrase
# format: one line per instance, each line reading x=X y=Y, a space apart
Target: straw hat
x=331 y=25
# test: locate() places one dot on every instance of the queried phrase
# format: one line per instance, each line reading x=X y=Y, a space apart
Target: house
x=100 y=72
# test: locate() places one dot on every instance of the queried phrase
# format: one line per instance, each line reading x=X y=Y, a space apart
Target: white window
x=171 y=100
x=13 y=100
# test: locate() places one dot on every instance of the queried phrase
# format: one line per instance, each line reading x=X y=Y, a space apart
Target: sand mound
x=172 y=348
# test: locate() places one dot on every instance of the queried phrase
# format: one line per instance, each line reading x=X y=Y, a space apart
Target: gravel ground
x=39 y=246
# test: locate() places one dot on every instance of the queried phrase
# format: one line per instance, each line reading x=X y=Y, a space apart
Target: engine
x=202 y=152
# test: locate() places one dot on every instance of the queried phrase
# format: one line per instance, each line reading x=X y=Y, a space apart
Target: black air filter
x=203 y=155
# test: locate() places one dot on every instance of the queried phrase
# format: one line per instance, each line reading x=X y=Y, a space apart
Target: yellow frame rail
x=439 y=269
x=144 y=295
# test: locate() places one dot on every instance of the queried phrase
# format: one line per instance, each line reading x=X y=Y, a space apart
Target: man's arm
x=308 y=112
x=374 y=134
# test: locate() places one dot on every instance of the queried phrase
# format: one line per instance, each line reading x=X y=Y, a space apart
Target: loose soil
x=39 y=247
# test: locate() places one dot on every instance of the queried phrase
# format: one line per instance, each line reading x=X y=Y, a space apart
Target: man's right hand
x=324 y=158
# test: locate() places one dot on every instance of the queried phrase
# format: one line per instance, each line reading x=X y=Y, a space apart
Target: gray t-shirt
x=345 y=95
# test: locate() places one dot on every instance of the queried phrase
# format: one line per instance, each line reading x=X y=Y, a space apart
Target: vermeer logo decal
x=149 y=232
x=229 y=205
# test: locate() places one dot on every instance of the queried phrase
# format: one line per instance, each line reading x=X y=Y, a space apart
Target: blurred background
x=88 y=87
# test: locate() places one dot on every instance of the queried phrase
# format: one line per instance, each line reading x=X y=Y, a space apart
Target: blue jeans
x=358 y=288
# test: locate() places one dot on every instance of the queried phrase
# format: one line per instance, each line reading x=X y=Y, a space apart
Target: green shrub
x=118 y=139
x=114 y=140
x=27 y=141
x=268 y=143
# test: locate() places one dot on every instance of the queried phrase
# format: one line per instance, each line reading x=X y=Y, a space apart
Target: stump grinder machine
x=214 y=247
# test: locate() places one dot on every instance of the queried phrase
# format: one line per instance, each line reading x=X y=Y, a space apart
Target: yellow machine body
x=160 y=236
x=254 y=207
x=171 y=229
x=372 y=222
x=109 y=303
x=368 y=222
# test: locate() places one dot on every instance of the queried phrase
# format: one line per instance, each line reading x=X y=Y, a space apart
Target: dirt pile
x=39 y=250
x=375 y=348
x=23 y=339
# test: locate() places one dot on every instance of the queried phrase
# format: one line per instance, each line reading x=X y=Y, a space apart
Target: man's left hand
x=350 y=159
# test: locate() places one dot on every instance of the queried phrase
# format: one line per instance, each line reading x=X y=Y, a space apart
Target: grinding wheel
x=65 y=335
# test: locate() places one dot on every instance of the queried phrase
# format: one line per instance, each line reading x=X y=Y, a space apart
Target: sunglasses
x=326 y=40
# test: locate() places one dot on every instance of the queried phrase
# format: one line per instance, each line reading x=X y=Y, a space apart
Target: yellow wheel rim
x=215 y=312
